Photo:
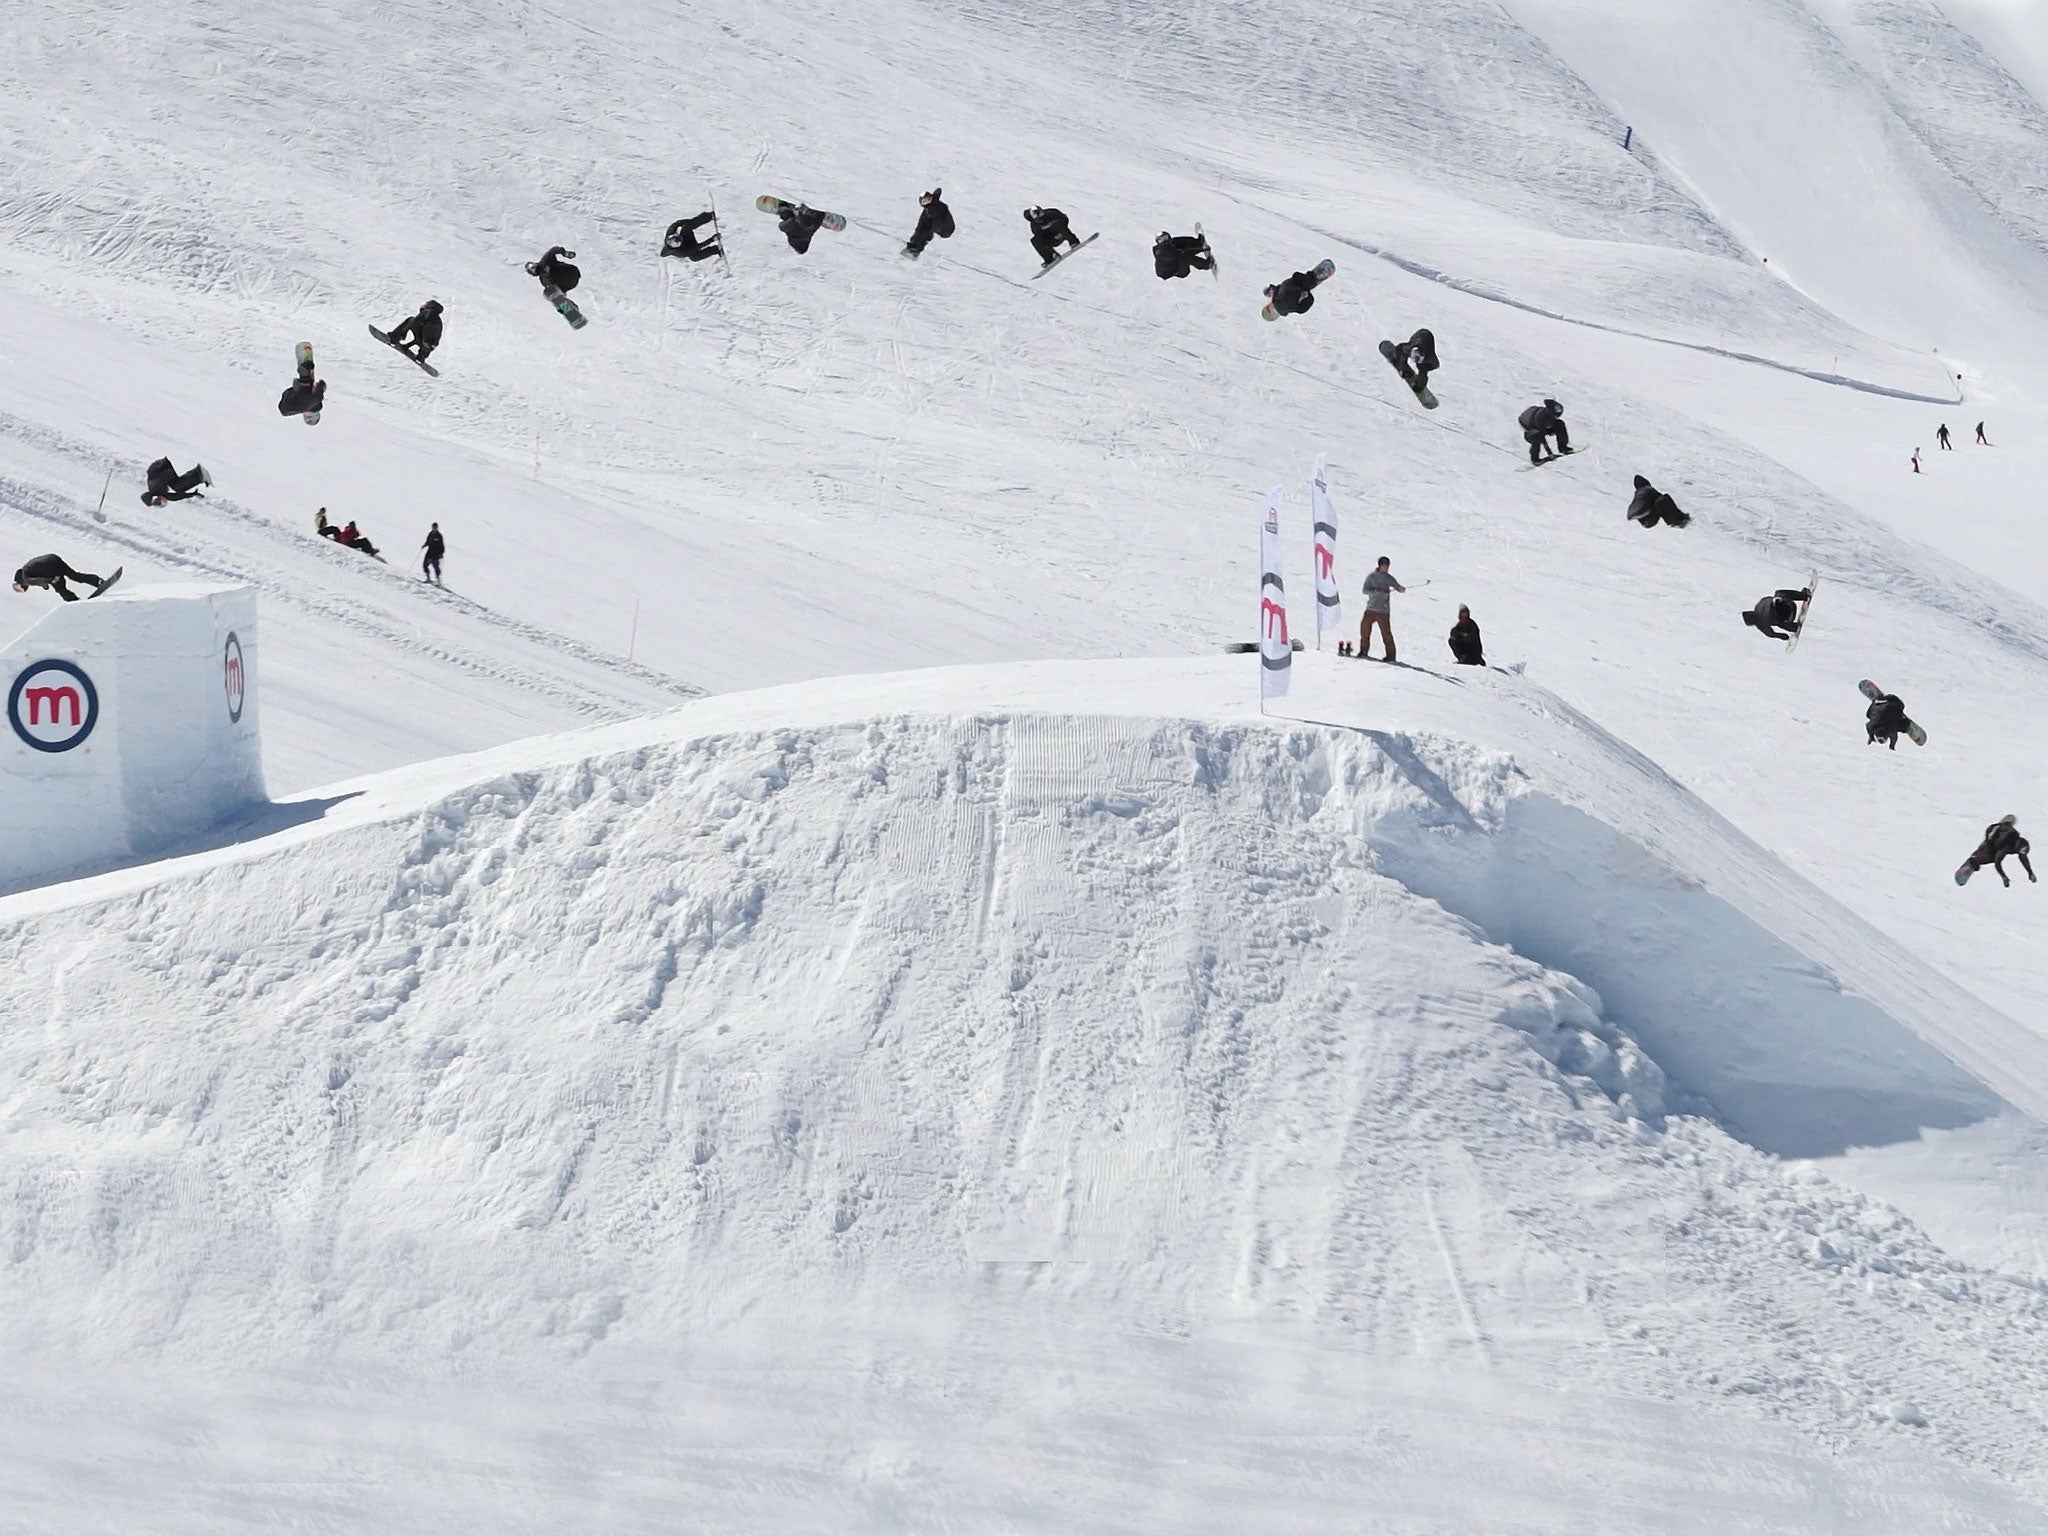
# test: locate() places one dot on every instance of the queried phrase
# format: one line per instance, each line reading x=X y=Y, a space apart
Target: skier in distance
x=681 y=239
x=1466 y=647
x=166 y=484
x=1649 y=506
x=934 y=219
x=1048 y=228
x=2002 y=841
x=1981 y=437
x=418 y=335
x=435 y=547
x=1539 y=424
x=1178 y=255
x=51 y=571
x=1778 y=614
x=1379 y=609
x=1941 y=437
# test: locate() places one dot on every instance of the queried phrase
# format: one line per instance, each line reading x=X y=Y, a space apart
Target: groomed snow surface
x=1042 y=1095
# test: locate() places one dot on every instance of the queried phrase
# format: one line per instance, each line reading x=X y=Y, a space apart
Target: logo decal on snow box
x=53 y=706
x=232 y=677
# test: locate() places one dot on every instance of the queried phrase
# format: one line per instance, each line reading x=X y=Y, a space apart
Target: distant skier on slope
x=1981 y=437
x=435 y=547
x=799 y=223
x=555 y=270
x=1540 y=424
x=1885 y=719
x=1178 y=255
x=1048 y=228
x=1294 y=295
x=934 y=220
x=1941 y=437
x=1466 y=647
x=1649 y=506
x=51 y=571
x=1379 y=609
x=2002 y=841
x=418 y=336
x=682 y=240
x=166 y=484
x=1778 y=614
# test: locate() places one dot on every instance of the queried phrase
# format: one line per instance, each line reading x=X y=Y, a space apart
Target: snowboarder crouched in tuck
x=555 y=272
x=51 y=571
x=1466 y=647
x=1883 y=721
x=1649 y=506
x=1178 y=255
x=1295 y=296
x=166 y=484
x=1048 y=228
x=2002 y=841
x=418 y=336
x=681 y=239
x=934 y=219
x=1540 y=423
x=1778 y=614
x=800 y=223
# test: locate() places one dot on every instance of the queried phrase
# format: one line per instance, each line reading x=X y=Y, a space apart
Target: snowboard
x=107 y=585
x=1322 y=272
x=1812 y=586
x=770 y=204
x=1550 y=458
x=1063 y=255
x=564 y=306
x=1393 y=355
x=302 y=354
x=1873 y=693
x=427 y=367
x=1214 y=264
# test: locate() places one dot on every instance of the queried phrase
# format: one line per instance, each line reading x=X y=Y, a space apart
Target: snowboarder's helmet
x=432 y=306
x=1554 y=407
x=1641 y=483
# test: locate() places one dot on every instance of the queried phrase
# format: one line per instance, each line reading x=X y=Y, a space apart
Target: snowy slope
x=849 y=463
x=960 y=1007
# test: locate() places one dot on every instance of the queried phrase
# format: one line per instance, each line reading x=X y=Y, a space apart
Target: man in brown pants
x=1379 y=608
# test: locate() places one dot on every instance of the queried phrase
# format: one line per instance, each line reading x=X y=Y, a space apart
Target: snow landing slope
x=916 y=1034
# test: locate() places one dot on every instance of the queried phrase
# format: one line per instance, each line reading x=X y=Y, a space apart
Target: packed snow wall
x=131 y=724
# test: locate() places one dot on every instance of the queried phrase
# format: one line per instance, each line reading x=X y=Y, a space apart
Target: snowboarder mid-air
x=1778 y=614
x=1541 y=423
x=1048 y=228
x=417 y=336
x=1380 y=587
x=1178 y=255
x=1419 y=353
x=1885 y=719
x=554 y=269
x=1649 y=506
x=800 y=223
x=934 y=220
x=2002 y=841
x=682 y=239
x=303 y=396
x=1466 y=647
x=51 y=571
x=435 y=547
x=1295 y=295
x=166 y=484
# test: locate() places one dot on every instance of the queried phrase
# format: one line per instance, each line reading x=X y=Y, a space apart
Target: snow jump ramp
x=131 y=723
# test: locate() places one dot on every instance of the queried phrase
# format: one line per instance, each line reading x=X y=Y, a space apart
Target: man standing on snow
x=1981 y=437
x=1941 y=436
x=435 y=547
x=1379 y=608
x=51 y=571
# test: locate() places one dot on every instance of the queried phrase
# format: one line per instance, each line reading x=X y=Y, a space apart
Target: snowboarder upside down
x=51 y=571
x=166 y=484
x=681 y=239
x=1778 y=614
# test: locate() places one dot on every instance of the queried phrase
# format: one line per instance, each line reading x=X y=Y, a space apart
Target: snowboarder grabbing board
x=1295 y=295
x=1414 y=360
x=1886 y=719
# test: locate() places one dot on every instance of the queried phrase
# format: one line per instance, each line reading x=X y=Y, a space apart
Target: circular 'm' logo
x=53 y=706
x=232 y=677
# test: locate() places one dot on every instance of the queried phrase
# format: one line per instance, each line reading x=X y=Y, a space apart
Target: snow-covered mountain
x=1044 y=1097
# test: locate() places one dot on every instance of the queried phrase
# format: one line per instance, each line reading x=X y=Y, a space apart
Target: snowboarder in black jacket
x=418 y=336
x=51 y=571
x=1883 y=721
x=1420 y=355
x=1048 y=228
x=435 y=547
x=556 y=272
x=681 y=239
x=1649 y=506
x=934 y=219
x=1178 y=255
x=166 y=484
x=1542 y=422
x=303 y=396
x=1466 y=648
x=800 y=224
x=1778 y=614
x=1295 y=296
x=2002 y=841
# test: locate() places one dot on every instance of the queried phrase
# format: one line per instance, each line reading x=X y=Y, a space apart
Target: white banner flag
x=1276 y=646
x=1329 y=606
